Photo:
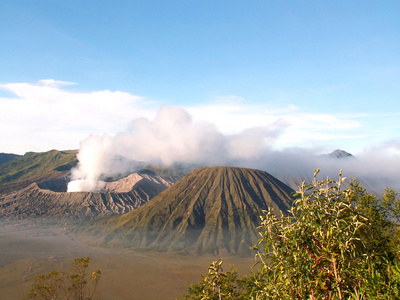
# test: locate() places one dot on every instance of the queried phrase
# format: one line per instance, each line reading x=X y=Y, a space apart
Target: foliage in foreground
x=77 y=284
x=334 y=243
x=218 y=284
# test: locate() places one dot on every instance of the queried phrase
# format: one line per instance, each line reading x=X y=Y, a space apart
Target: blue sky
x=327 y=73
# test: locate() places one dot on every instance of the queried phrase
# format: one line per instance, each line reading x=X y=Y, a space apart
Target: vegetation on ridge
x=332 y=244
x=35 y=167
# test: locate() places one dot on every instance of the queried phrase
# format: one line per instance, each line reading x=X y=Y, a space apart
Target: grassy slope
x=35 y=167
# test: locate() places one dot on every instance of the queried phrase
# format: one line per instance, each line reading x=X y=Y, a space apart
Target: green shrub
x=219 y=285
x=76 y=285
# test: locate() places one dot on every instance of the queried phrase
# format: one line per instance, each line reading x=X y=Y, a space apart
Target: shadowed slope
x=211 y=210
x=6 y=157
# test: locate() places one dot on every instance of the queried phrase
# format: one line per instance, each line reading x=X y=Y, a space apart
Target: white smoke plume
x=173 y=137
x=94 y=157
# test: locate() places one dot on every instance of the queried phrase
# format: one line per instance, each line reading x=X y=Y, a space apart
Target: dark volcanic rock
x=55 y=185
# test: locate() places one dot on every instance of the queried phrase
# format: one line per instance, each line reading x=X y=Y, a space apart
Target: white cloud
x=43 y=116
x=47 y=115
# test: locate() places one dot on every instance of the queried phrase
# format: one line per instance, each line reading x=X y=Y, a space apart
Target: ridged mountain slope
x=211 y=210
x=37 y=203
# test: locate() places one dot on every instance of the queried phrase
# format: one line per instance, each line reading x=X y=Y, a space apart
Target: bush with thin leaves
x=333 y=244
x=76 y=285
x=218 y=285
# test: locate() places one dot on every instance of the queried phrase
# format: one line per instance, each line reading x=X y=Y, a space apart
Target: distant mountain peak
x=338 y=153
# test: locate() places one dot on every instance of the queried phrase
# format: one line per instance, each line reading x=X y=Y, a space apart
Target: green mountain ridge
x=35 y=167
x=211 y=210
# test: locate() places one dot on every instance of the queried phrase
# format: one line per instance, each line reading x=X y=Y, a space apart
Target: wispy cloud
x=55 y=83
x=297 y=128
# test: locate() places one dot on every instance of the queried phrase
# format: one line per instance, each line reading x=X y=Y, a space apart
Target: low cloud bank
x=173 y=137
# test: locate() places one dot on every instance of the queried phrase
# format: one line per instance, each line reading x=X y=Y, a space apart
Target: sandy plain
x=27 y=251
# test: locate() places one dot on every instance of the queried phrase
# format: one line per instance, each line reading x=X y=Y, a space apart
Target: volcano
x=214 y=210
